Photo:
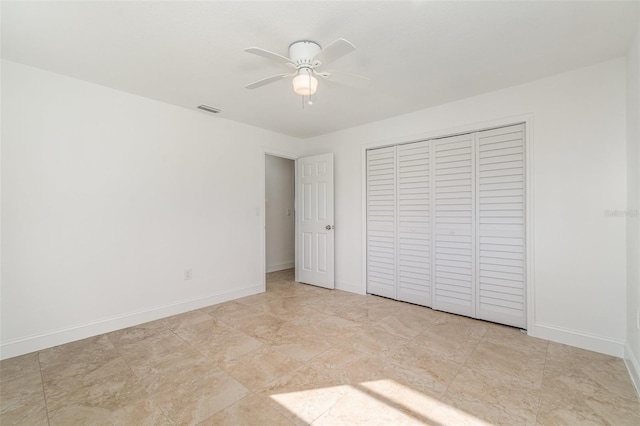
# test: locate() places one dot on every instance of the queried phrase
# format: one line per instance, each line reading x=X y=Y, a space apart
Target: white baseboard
x=580 y=339
x=351 y=288
x=633 y=366
x=281 y=266
x=49 y=339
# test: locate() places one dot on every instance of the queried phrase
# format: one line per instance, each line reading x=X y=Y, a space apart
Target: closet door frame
x=528 y=122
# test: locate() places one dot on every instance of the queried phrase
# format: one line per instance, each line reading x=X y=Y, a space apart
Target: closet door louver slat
x=381 y=222
x=501 y=231
x=414 y=226
x=453 y=231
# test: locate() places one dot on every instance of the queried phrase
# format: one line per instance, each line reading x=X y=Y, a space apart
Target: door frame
x=263 y=207
x=527 y=119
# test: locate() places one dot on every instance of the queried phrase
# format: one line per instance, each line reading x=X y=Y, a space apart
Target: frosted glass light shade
x=305 y=84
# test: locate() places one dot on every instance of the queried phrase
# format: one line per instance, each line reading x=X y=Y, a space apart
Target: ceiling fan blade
x=269 y=55
x=335 y=50
x=347 y=79
x=267 y=80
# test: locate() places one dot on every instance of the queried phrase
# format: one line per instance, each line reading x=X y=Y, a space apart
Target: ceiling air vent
x=209 y=109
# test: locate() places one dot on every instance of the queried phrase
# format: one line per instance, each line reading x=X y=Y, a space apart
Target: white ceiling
x=419 y=54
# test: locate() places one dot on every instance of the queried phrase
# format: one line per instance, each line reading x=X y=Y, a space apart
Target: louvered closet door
x=454 y=207
x=414 y=228
x=501 y=231
x=381 y=222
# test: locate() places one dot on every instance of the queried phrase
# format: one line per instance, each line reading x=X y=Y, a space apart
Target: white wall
x=280 y=222
x=579 y=144
x=107 y=197
x=632 y=353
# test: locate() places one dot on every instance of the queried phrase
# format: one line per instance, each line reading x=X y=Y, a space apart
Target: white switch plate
x=187 y=274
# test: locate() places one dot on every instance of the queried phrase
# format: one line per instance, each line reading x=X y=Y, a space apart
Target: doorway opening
x=279 y=218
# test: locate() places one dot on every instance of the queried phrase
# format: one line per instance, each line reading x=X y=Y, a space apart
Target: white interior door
x=314 y=215
x=381 y=222
x=414 y=226
x=454 y=225
x=500 y=211
x=398 y=223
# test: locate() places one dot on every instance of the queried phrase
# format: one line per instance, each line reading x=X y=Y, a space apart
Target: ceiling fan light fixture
x=305 y=84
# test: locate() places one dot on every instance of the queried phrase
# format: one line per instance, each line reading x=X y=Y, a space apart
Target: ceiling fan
x=305 y=58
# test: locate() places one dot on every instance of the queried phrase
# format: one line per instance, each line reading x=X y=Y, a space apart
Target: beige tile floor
x=298 y=354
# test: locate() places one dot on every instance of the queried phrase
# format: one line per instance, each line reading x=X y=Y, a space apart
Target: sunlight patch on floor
x=309 y=404
x=444 y=414
x=393 y=393
x=382 y=401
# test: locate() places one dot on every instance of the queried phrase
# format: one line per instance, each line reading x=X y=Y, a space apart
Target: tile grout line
x=138 y=378
x=44 y=394
x=273 y=408
x=337 y=401
x=221 y=367
x=544 y=373
x=304 y=364
x=247 y=395
x=307 y=363
x=463 y=364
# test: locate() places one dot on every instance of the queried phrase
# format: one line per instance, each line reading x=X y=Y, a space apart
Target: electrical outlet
x=187 y=274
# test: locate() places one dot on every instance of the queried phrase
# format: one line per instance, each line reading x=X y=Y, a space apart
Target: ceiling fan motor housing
x=302 y=52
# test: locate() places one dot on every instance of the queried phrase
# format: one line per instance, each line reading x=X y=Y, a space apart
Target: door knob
x=328 y=227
